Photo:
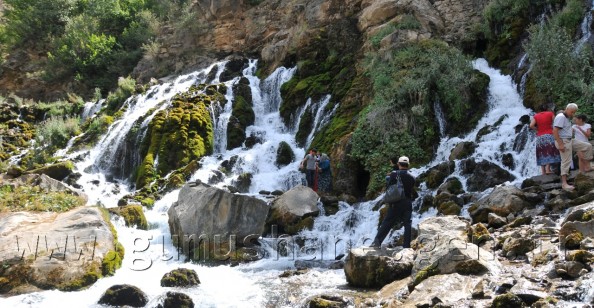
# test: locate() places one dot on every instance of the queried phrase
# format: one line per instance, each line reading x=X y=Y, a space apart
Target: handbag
x=394 y=192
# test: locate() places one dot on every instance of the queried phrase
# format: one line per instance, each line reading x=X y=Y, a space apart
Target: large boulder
x=176 y=300
x=502 y=201
x=44 y=182
x=370 y=268
x=294 y=210
x=82 y=249
x=444 y=249
x=124 y=295
x=206 y=213
x=437 y=174
x=484 y=174
x=463 y=150
x=284 y=154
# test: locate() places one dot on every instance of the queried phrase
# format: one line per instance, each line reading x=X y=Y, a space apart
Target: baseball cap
x=403 y=159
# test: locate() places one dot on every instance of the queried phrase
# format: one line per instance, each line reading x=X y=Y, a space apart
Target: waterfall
x=260 y=160
x=150 y=254
x=505 y=106
x=585 y=28
x=91 y=108
x=321 y=118
x=441 y=120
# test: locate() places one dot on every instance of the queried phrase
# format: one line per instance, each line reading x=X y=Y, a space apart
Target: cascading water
x=257 y=284
x=585 y=27
x=91 y=108
x=441 y=120
x=505 y=106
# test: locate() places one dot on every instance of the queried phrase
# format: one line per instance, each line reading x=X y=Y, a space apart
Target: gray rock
x=290 y=209
x=205 y=211
x=502 y=201
x=528 y=291
x=61 y=248
x=124 y=295
x=370 y=268
x=446 y=289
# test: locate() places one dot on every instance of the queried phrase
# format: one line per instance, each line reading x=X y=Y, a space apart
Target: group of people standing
x=557 y=139
x=317 y=171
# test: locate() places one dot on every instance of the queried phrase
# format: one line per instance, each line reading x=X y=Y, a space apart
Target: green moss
x=449 y=208
x=133 y=216
x=582 y=256
x=573 y=240
x=242 y=116
x=111 y=262
x=90 y=277
x=177 y=136
x=33 y=198
x=423 y=274
x=507 y=300
x=304 y=224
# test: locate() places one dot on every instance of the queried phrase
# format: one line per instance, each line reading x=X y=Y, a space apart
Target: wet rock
x=330 y=264
x=508 y=160
x=132 y=215
x=578 y=225
x=181 y=277
x=370 y=268
x=484 y=174
x=124 y=295
x=233 y=69
x=502 y=201
x=462 y=150
x=252 y=140
x=176 y=300
x=264 y=192
x=452 y=186
x=540 y=180
x=436 y=175
x=508 y=300
x=228 y=165
x=290 y=273
x=513 y=247
x=216 y=177
x=446 y=290
x=569 y=269
x=56 y=171
x=528 y=292
x=478 y=291
x=294 y=210
x=329 y=301
x=277 y=192
x=203 y=209
x=284 y=154
x=243 y=182
x=495 y=221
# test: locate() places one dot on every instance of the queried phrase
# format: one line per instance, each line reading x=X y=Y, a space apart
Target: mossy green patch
x=178 y=135
x=132 y=215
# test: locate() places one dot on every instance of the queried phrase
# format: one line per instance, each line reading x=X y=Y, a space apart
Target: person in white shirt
x=581 y=129
x=562 y=131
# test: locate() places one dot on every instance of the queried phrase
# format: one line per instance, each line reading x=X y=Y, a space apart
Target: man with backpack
x=401 y=211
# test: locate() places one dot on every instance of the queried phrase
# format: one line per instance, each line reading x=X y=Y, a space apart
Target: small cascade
x=321 y=118
x=260 y=160
x=441 y=120
x=91 y=108
x=501 y=119
x=585 y=27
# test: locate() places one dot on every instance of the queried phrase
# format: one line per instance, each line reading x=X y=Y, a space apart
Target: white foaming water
x=585 y=28
x=260 y=160
x=505 y=106
x=91 y=108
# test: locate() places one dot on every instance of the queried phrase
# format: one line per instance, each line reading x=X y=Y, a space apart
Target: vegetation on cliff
x=407 y=83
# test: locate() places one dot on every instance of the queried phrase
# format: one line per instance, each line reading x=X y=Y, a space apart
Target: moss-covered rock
x=449 y=208
x=176 y=300
x=124 y=295
x=463 y=150
x=478 y=234
x=132 y=215
x=57 y=171
x=436 y=175
x=507 y=300
x=573 y=240
x=284 y=154
x=178 y=135
x=470 y=267
x=181 y=277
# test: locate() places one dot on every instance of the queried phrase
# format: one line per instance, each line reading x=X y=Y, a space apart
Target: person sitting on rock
x=400 y=211
x=563 y=133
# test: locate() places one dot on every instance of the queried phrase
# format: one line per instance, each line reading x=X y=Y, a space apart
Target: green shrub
x=408 y=22
x=383 y=32
x=116 y=99
x=406 y=84
x=54 y=133
x=558 y=71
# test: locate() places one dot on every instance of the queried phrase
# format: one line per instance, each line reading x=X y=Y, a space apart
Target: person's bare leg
x=548 y=169
x=543 y=170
